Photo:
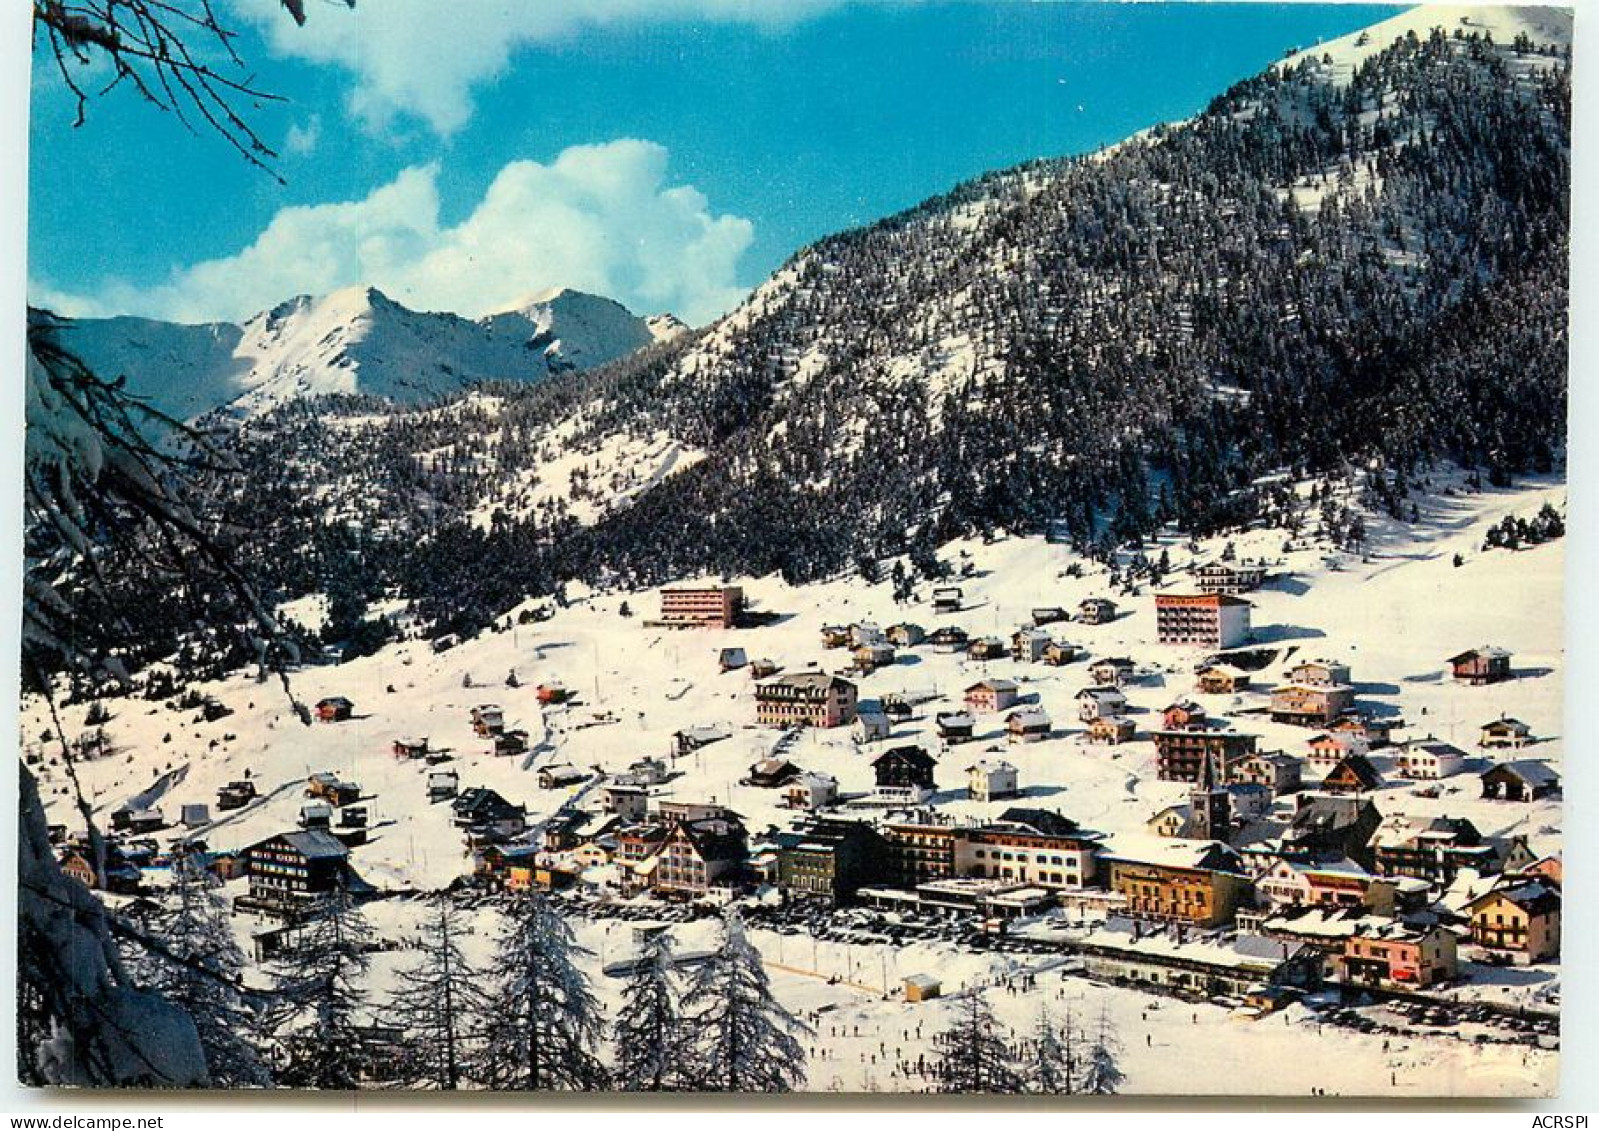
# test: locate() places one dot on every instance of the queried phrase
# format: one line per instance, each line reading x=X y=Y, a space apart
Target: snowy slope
x=1542 y=25
x=355 y=340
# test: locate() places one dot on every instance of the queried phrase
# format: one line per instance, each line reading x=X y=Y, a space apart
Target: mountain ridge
x=354 y=341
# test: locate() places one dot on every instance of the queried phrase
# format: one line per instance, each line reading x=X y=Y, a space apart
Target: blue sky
x=669 y=152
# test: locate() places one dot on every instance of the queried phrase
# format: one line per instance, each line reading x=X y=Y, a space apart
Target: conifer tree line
x=976 y=1053
x=516 y=1011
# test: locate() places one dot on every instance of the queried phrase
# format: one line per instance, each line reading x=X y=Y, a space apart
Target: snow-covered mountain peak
x=355 y=339
x=1544 y=26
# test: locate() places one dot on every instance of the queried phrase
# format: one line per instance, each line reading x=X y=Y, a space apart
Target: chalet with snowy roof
x=1375 y=732
x=647 y=771
x=1230 y=578
x=138 y=821
x=805 y=699
x=866 y=632
x=713 y=606
x=1112 y=730
x=948 y=639
x=1475 y=666
x=810 y=791
x=1098 y=702
x=986 y=648
x=764 y=668
x=991 y=695
x=1519 y=921
x=331 y=788
x=1309 y=704
x=947 y=599
x=1184 y=714
x=1389 y=954
x=867 y=658
x=443 y=785
x=1182 y=755
x=1355 y=774
x=194 y=815
x=483 y=810
x=1222 y=679
x=771 y=773
x=1521 y=780
x=955 y=727
x=1274 y=770
x=1204 y=620
x=1200 y=882
x=1028 y=724
x=1320 y=673
x=316 y=815
x=295 y=866
x=1324 y=751
x=1027 y=645
x=905 y=634
x=830 y=860
x=835 y=636
x=1112 y=672
x=1504 y=733
x=334 y=709
x=487 y=719
x=871 y=726
x=236 y=795
x=560 y=776
x=1030 y=846
x=1059 y=653
x=1428 y=759
x=990 y=780
x=731 y=659
x=1049 y=614
x=907 y=769
x=409 y=748
x=697 y=856
x=1332 y=827
x=1433 y=850
x=1096 y=610
x=509 y=744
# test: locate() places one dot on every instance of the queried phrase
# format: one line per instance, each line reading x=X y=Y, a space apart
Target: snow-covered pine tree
x=972 y=1055
x=81 y=1020
x=649 y=1034
x=542 y=1021
x=1102 y=1074
x=318 y=998
x=197 y=967
x=1048 y=1066
x=741 y=1038
x=440 y=1004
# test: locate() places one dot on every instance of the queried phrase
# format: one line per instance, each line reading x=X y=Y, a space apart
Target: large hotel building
x=711 y=607
x=1209 y=620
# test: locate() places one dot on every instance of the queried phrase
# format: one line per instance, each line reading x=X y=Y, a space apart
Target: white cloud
x=302 y=140
x=424 y=57
x=599 y=218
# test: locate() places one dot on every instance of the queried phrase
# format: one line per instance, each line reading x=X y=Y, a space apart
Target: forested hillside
x=1356 y=260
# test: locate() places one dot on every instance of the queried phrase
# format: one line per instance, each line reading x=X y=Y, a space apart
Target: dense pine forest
x=1330 y=270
